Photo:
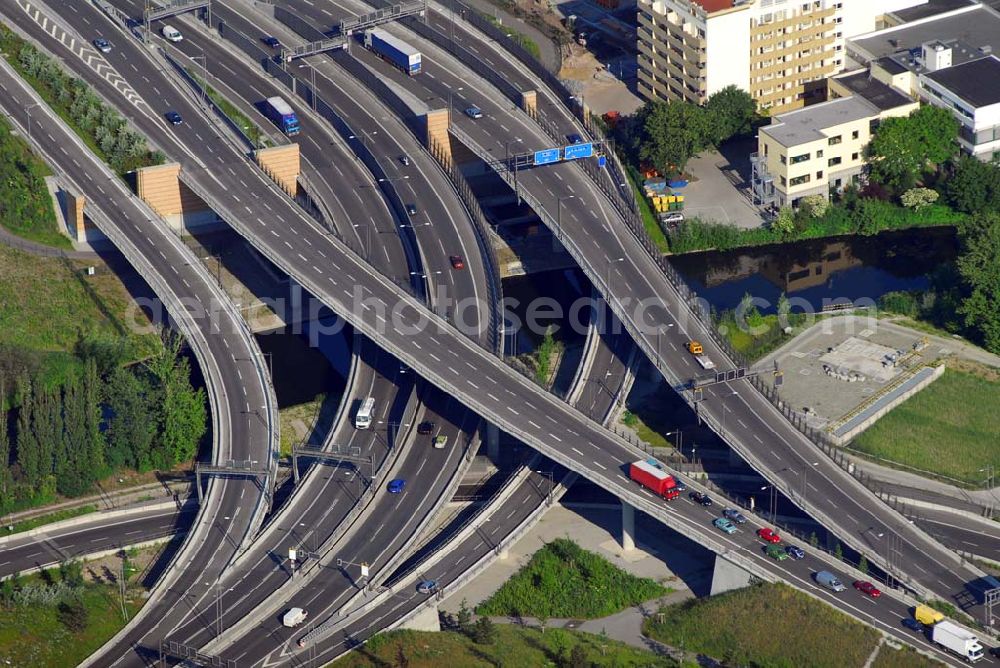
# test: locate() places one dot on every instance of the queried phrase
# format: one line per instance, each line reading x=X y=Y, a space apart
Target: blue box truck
x=393 y=50
x=282 y=115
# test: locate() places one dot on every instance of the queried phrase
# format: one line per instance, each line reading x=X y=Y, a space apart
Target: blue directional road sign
x=601 y=161
x=547 y=156
x=576 y=151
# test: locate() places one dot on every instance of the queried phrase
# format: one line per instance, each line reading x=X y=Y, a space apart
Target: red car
x=769 y=535
x=868 y=588
x=457 y=262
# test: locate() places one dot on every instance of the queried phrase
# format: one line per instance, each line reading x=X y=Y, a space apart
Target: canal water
x=835 y=269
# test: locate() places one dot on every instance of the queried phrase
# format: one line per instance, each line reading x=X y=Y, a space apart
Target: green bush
x=564 y=580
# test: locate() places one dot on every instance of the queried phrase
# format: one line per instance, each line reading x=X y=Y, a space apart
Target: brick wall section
x=161 y=188
x=437 y=130
x=74 y=216
x=282 y=163
x=529 y=102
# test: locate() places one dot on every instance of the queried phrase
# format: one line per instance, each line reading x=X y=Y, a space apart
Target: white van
x=363 y=418
x=171 y=34
x=830 y=581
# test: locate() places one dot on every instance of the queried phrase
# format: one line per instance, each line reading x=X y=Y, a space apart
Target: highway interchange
x=485 y=385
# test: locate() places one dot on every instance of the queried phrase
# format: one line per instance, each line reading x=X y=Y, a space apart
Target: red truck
x=649 y=474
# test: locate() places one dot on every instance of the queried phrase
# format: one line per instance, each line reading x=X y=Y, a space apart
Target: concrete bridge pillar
x=628 y=527
x=529 y=102
x=493 y=443
x=728 y=576
x=294 y=303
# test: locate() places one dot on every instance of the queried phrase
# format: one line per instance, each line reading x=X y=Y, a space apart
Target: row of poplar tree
x=97 y=420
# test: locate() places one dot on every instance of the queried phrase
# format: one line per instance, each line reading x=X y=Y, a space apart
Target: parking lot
x=717 y=190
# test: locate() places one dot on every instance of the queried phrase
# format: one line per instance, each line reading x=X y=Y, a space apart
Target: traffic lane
x=607 y=373
x=223 y=521
x=959 y=533
x=439 y=231
x=98 y=535
x=325 y=160
x=427 y=472
x=313 y=518
x=883 y=612
x=281 y=256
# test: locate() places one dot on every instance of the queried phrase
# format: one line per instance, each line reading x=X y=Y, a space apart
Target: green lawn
x=58 y=516
x=33 y=635
x=564 y=580
x=649 y=419
x=768 y=625
x=233 y=112
x=47 y=304
x=526 y=42
x=514 y=647
x=290 y=416
x=940 y=429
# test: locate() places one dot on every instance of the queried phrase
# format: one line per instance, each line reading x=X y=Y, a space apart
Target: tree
x=917 y=198
x=902 y=148
x=674 y=133
x=130 y=430
x=814 y=539
x=863 y=565
x=975 y=186
x=814 y=206
x=838 y=552
x=73 y=614
x=72 y=573
x=785 y=221
x=28 y=455
x=484 y=631
x=464 y=619
x=731 y=111
x=979 y=267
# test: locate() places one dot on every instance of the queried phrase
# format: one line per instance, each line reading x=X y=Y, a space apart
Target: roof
x=714 y=5
x=931 y=8
x=806 y=124
x=966 y=32
x=890 y=65
x=883 y=97
x=977 y=82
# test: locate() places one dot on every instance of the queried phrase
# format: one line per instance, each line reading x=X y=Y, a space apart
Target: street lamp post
x=28 y=111
x=773 y=494
x=607 y=283
x=368 y=239
x=551 y=487
x=204 y=77
x=559 y=202
x=312 y=90
x=680 y=439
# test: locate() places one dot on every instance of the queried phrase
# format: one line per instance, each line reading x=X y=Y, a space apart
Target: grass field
x=564 y=580
x=26 y=208
x=34 y=636
x=514 y=647
x=58 y=516
x=46 y=304
x=902 y=658
x=291 y=417
x=650 y=422
x=765 y=625
x=948 y=428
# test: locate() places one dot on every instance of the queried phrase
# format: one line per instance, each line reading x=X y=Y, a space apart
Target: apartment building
x=821 y=147
x=781 y=51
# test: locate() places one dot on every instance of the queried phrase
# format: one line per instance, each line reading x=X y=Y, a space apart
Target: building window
x=784 y=181
x=819 y=175
x=855 y=134
x=800 y=158
x=833 y=141
x=819 y=153
x=833 y=161
x=784 y=160
x=855 y=156
x=799 y=180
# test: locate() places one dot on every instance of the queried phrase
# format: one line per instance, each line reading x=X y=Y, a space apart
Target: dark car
x=411 y=209
x=574 y=138
x=680 y=486
x=734 y=515
x=396 y=486
x=425 y=427
x=102 y=45
x=271 y=41
x=912 y=624
x=795 y=552
x=427 y=587
x=703 y=499
x=174 y=118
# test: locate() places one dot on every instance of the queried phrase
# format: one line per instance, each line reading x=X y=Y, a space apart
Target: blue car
x=795 y=552
x=174 y=118
x=574 y=138
x=722 y=524
x=912 y=624
x=396 y=486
